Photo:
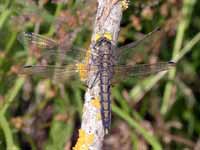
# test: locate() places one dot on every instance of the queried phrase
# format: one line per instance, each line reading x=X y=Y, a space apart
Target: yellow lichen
x=108 y=35
x=97 y=36
x=124 y=4
x=84 y=141
x=96 y=103
x=82 y=68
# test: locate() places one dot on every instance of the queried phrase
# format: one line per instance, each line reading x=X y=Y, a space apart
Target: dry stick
x=91 y=134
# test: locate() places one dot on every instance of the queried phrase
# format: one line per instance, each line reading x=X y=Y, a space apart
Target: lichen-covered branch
x=107 y=22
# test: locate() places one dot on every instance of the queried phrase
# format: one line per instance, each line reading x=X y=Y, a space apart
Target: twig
x=91 y=134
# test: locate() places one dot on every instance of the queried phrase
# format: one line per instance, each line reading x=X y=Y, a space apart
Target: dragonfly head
x=103 y=44
x=103 y=40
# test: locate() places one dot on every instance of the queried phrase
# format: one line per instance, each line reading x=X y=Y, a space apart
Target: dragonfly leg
x=94 y=81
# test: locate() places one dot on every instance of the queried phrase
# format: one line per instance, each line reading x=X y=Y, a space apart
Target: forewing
x=51 y=50
x=45 y=71
x=59 y=73
x=31 y=39
x=67 y=58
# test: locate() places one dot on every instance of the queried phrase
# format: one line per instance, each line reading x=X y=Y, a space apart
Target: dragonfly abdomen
x=105 y=99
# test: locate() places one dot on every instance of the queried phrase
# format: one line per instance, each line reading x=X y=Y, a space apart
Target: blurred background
x=148 y=112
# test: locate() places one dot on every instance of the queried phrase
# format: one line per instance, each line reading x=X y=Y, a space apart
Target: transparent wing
x=58 y=72
x=61 y=73
x=28 y=39
x=122 y=72
x=52 y=50
x=124 y=53
x=46 y=71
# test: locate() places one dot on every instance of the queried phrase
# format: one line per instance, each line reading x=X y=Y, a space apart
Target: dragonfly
x=99 y=65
